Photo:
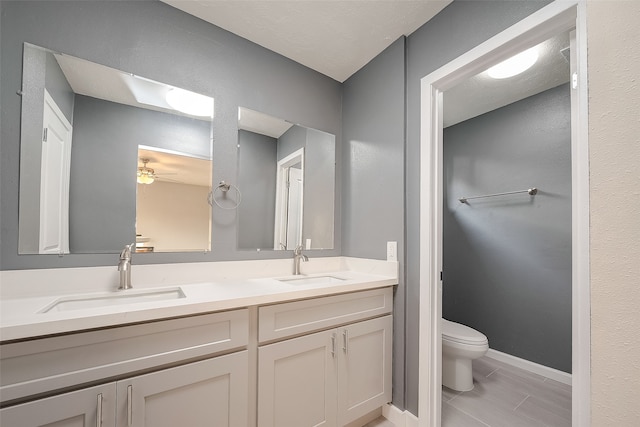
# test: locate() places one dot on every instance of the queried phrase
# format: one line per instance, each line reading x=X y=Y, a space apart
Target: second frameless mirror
x=287 y=176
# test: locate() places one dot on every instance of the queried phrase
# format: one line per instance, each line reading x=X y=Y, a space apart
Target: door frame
x=282 y=191
x=559 y=16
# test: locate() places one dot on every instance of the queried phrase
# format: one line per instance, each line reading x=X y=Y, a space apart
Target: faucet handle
x=126 y=252
x=298 y=250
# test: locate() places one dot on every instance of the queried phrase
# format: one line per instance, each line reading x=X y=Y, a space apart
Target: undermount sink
x=80 y=302
x=315 y=280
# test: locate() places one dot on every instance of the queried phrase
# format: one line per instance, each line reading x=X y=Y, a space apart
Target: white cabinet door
x=364 y=371
x=297 y=382
x=212 y=392
x=91 y=407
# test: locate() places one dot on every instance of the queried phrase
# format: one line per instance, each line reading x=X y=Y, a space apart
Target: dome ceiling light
x=514 y=65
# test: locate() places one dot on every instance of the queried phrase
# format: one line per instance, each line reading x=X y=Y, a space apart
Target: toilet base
x=457 y=373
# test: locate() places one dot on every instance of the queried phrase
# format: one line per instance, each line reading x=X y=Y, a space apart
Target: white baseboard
x=398 y=417
x=527 y=365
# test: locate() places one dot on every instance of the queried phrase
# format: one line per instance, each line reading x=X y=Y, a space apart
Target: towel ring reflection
x=221 y=192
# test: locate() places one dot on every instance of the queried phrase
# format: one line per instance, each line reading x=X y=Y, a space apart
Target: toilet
x=460 y=345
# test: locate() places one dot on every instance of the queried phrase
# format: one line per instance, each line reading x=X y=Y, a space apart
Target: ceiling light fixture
x=189 y=102
x=514 y=65
x=146 y=175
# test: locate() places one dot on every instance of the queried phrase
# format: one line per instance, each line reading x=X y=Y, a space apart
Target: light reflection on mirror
x=82 y=124
x=287 y=176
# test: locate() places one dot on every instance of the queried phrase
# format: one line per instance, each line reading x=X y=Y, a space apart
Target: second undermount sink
x=314 y=280
x=108 y=299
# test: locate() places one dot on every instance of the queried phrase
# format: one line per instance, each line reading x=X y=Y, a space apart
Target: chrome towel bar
x=532 y=191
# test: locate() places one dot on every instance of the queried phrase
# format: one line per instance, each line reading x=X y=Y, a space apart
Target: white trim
x=580 y=265
x=395 y=415
x=559 y=16
x=398 y=417
x=530 y=366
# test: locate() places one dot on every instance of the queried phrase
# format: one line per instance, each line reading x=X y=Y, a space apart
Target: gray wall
x=257 y=212
x=507 y=260
x=373 y=176
x=104 y=160
x=319 y=187
x=156 y=41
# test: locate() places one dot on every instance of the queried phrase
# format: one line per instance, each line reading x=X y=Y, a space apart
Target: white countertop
x=214 y=287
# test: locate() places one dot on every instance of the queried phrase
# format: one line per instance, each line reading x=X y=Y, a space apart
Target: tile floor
x=504 y=396
x=507 y=396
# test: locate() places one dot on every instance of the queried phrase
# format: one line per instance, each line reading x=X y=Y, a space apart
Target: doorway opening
x=553 y=19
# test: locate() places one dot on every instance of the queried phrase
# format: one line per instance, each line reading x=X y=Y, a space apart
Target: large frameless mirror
x=109 y=158
x=287 y=176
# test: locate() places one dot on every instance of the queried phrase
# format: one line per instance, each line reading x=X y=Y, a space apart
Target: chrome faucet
x=124 y=267
x=297 y=256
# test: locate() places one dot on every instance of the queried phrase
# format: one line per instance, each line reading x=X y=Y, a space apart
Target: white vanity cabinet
x=82 y=408
x=326 y=378
x=205 y=393
x=212 y=390
x=209 y=392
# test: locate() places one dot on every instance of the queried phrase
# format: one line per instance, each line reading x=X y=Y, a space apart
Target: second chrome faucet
x=124 y=267
x=297 y=256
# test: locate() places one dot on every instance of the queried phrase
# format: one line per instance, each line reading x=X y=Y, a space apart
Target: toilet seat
x=461 y=334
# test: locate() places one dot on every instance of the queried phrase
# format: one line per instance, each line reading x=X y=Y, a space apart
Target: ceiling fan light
x=514 y=65
x=190 y=102
x=146 y=175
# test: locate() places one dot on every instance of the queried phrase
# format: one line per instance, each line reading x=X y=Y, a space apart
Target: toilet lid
x=456 y=332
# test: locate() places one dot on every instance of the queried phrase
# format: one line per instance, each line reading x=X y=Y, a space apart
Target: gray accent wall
x=507 y=260
x=373 y=177
x=156 y=41
x=319 y=187
x=257 y=212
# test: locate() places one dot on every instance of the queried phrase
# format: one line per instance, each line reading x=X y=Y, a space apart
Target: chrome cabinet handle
x=99 y=411
x=129 y=406
x=345 y=341
x=333 y=345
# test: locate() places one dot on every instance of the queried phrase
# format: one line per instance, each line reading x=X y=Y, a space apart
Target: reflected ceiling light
x=514 y=65
x=146 y=175
x=190 y=102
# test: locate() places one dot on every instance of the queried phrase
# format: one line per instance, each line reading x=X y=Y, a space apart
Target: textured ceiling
x=481 y=94
x=333 y=37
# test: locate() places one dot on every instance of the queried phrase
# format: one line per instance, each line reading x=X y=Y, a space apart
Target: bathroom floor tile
x=448 y=394
x=452 y=417
x=550 y=415
x=504 y=395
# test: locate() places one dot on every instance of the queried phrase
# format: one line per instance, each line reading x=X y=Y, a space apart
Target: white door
x=289 y=201
x=294 y=208
x=297 y=382
x=212 y=392
x=364 y=371
x=89 y=407
x=54 y=179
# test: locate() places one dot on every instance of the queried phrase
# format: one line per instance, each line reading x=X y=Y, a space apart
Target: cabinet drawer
x=294 y=318
x=43 y=365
